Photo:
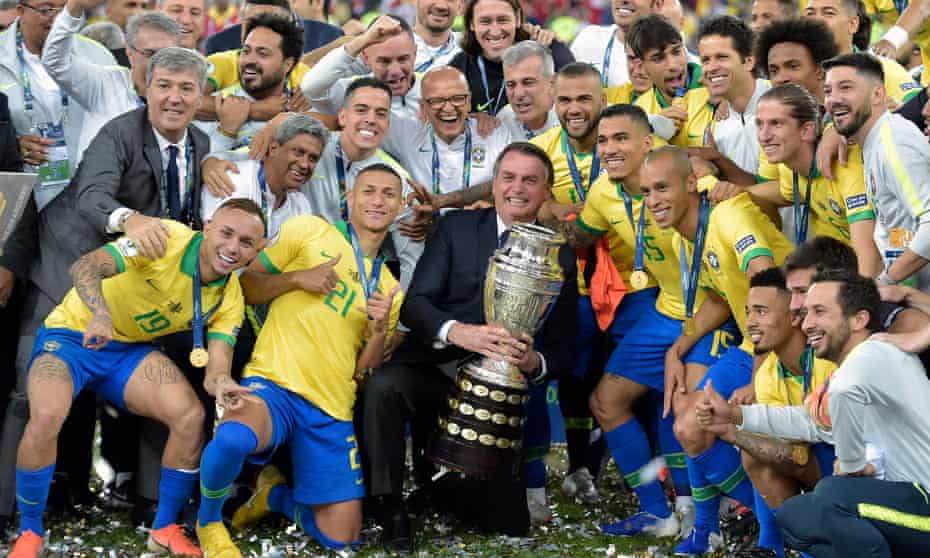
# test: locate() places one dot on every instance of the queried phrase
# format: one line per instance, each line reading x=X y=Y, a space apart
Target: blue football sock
x=769 y=535
x=721 y=465
x=674 y=455
x=31 y=496
x=630 y=448
x=220 y=465
x=281 y=500
x=306 y=520
x=706 y=500
x=174 y=490
x=534 y=472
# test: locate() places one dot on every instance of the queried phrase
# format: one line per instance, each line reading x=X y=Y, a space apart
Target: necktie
x=173 y=184
x=503 y=237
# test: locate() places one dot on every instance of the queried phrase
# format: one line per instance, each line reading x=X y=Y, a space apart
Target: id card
x=55 y=173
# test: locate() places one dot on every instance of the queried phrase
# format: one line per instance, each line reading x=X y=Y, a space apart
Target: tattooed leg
x=157 y=389
x=50 y=390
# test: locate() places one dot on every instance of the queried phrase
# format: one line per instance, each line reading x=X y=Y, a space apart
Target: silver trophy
x=483 y=434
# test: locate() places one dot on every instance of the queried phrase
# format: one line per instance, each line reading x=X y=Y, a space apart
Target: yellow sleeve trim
x=900 y=172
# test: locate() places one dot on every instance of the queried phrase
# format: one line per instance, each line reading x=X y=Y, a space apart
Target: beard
x=858 y=120
x=836 y=340
x=265 y=85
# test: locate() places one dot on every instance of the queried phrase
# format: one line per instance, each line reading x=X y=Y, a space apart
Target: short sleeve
x=738 y=230
x=592 y=218
x=786 y=183
x=850 y=180
x=764 y=384
x=297 y=234
x=767 y=171
x=224 y=324
x=224 y=70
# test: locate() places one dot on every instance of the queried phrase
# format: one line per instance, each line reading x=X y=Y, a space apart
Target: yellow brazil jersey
x=224 y=71
x=776 y=385
x=153 y=298
x=887 y=13
x=555 y=143
x=899 y=85
x=696 y=104
x=737 y=232
x=621 y=94
x=835 y=204
x=310 y=342
x=606 y=211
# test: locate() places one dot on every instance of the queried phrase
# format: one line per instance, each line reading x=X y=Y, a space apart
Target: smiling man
x=311 y=357
x=274 y=182
x=436 y=42
x=897 y=164
x=189 y=15
x=876 y=396
x=677 y=92
x=529 y=76
x=385 y=51
x=271 y=48
x=100 y=338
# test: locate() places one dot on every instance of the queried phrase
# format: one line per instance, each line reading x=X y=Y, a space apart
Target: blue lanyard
x=188 y=180
x=263 y=190
x=638 y=231
x=709 y=129
x=197 y=319
x=573 y=167
x=492 y=110
x=341 y=172
x=900 y=6
x=369 y=285
x=441 y=52
x=466 y=164
x=689 y=276
x=28 y=98
x=802 y=208
x=807 y=364
x=605 y=67
x=530 y=134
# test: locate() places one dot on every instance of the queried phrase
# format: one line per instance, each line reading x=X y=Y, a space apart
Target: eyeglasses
x=146 y=52
x=44 y=12
x=439 y=102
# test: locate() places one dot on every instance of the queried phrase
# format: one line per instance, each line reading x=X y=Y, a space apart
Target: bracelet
x=885 y=279
x=897 y=36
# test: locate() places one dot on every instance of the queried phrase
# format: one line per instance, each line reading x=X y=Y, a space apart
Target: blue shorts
x=826 y=455
x=732 y=371
x=631 y=307
x=324 y=452
x=640 y=357
x=104 y=371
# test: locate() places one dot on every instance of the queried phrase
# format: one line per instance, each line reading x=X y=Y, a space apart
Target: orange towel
x=607 y=287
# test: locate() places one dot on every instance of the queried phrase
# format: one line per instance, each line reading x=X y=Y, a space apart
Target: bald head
x=444 y=75
x=675 y=157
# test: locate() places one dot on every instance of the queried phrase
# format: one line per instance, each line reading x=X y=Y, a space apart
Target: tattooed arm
x=557 y=216
x=463 y=197
x=784 y=456
x=88 y=274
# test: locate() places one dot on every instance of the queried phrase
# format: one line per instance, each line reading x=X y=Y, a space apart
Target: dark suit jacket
x=448 y=284
x=121 y=167
x=316 y=34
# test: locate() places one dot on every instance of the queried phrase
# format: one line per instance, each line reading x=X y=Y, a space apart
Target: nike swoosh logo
x=424 y=150
x=695 y=135
x=616 y=221
x=483 y=106
x=152 y=284
x=359 y=481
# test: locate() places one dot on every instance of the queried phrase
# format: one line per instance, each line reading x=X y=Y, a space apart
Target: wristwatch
x=121 y=222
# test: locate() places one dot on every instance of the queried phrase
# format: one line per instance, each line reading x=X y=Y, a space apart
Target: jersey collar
x=189 y=260
x=693 y=73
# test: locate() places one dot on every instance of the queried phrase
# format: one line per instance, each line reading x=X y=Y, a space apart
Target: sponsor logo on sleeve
x=857 y=201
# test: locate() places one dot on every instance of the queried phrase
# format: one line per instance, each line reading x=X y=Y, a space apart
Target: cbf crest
x=478 y=155
x=712 y=260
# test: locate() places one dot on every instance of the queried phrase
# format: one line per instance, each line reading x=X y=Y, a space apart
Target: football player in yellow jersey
x=637 y=365
x=788 y=373
x=842 y=17
x=788 y=122
x=100 y=336
x=720 y=249
x=909 y=23
x=677 y=92
x=318 y=343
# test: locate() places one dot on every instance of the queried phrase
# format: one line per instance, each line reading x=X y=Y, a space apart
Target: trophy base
x=482 y=436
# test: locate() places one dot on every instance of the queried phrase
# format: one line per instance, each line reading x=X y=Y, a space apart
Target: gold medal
x=199 y=357
x=639 y=279
x=800 y=454
x=688 y=326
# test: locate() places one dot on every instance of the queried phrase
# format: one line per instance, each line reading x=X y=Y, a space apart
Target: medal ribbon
x=341 y=172
x=802 y=209
x=425 y=65
x=689 y=276
x=492 y=110
x=639 y=232
x=369 y=285
x=197 y=319
x=466 y=163
x=573 y=168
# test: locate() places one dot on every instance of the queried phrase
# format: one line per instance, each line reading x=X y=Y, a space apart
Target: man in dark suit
x=142 y=165
x=445 y=313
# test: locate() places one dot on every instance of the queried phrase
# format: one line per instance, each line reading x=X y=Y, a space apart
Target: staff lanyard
x=341 y=173
x=443 y=50
x=28 y=97
x=492 y=110
x=605 y=67
x=466 y=163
